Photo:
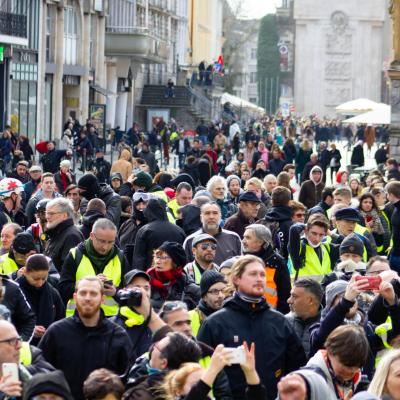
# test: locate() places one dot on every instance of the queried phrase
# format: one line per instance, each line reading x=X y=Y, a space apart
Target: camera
x=130 y=297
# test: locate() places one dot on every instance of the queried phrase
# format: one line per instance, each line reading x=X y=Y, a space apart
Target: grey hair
x=262 y=232
x=103 y=223
x=64 y=206
x=214 y=180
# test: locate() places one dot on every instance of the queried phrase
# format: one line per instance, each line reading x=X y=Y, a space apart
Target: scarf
x=203 y=307
x=64 y=180
x=132 y=318
x=249 y=299
x=377 y=226
x=162 y=281
x=98 y=260
x=264 y=157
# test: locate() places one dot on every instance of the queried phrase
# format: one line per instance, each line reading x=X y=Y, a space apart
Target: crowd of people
x=241 y=275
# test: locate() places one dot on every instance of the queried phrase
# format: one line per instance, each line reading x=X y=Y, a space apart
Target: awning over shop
x=355 y=107
x=241 y=103
x=380 y=116
x=105 y=92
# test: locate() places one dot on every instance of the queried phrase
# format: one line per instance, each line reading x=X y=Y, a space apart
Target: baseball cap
x=202 y=238
x=131 y=275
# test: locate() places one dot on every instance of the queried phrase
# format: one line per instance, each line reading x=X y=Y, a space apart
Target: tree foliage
x=268 y=69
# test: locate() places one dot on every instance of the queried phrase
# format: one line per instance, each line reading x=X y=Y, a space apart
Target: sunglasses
x=205 y=246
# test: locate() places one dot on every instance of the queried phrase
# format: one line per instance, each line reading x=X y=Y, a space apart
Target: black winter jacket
x=22 y=315
x=88 y=219
x=39 y=364
x=278 y=349
x=51 y=160
x=62 y=238
x=112 y=201
x=78 y=350
x=154 y=233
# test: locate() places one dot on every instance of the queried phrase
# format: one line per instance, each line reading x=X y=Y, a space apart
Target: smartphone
x=237 y=355
x=373 y=282
x=368 y=218
x=12 y=370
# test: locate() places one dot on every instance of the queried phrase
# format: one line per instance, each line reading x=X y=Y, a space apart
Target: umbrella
x=355 y=107
x=379 y=116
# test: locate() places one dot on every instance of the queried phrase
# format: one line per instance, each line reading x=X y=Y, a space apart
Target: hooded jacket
x=112 y=201
x=283 y=216
x=88 y=219
x=190 y=221
x=278 y=349
x=123 y=165
x=311 y=191
x=154 y=233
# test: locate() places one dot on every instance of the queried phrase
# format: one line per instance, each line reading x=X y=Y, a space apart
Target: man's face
x=234 y=187
x=211 y=217
x=215 y=296
x=341 y=371
x=115 y=183
x=316 y=175
x=392 y=198
x=350 y=256
x=36 y=175
x=249 y=208
x=140 y=283
x=50 y=146
x=270 y=183
x=299 y=216
x=218 y=191
x=276 y=154
x=252 y=282
x=245 y=175
x=141 y=206
x=315 y=234
x=20 y=259
x=103 y=240
x=21 y=170
x=344 y=227
x=157 y=361
x=250 y=242
x=184 y=197
x=300 y=301
x=338 y=199
x=73 y=195
x=9 y=352
x=196 y=145
x=7 y=237
x=36 y=278
x=88 y=298
x=180 y=321
x=48 y=184
x=54 y=216
x=291 y=173
x=204 y=252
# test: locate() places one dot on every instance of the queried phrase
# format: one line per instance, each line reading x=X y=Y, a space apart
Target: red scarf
x=162 y=281
x=64 y=180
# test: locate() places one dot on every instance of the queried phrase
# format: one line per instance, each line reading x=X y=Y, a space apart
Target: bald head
x=9 y=348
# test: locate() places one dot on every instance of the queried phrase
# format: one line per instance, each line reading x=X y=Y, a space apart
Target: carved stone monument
x=339 y=53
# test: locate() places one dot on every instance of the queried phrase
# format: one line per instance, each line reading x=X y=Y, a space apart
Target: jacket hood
x=91 y=217
x=105 y=190
x=125 y=155
x=190 y=218
x=238 y=304
x=280 y=213
x=317 y=384
x=316 y=168
x=156 y=210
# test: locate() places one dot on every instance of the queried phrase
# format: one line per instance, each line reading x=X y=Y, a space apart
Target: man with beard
x=257 y=241
x=128 y=230
x=212 y=288
x=98 y=255
x=204 y=250
x=88 y=332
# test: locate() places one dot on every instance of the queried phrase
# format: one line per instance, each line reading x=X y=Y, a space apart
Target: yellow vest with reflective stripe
x=193 y=271
x=361 y=231
x=113 y=271
x=25 y=354
x=380 y=249
x=174 y=207
x=7 y=265
x=195 y=321
x=382 y=331
x=313 y=268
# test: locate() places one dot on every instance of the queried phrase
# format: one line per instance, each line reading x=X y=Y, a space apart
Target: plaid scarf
x=162 y=281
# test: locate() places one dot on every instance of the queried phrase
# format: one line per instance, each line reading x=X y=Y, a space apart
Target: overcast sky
x=256 y=8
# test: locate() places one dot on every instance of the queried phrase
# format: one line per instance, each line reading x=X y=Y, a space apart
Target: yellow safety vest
x=195 y=321
x=7 y=265
x=132 y=318
x=25 y=354
x=382 y=331
x=328 y=239
x=381 y=249
x=174 y=207
x=313 y=268
x=271 y=292
x=113 y=271
x=193 y=271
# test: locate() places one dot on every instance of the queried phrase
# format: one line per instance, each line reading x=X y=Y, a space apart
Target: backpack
x=273 y=226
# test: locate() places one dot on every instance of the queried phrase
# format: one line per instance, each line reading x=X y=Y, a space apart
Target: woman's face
x=392 y=386
x=366 y=205
x=354 y=185
x=380 y=199
x=163 y=262
x=344 y=177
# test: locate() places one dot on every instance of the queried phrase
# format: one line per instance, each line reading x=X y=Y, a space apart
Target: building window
x=253 y=54
x=253 y=100
x=253 y=77
x=50 y=35
x=70 y=36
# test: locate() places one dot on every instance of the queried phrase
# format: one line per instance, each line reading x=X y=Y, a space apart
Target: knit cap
x=334 y=289
x=175 y=251
x=209 y=278
x=352 y=244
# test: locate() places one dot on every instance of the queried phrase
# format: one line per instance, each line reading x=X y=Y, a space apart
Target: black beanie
x=90 y=184
x=48 y=382
x=352 y=244
x=175 y=251
x=209 y=278
x=23 y=243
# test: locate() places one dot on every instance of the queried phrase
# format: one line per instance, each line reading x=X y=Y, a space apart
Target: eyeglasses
x=12 y=341
x=216 y=292
x=105 y=242
x=205 y=246
x=162 y=258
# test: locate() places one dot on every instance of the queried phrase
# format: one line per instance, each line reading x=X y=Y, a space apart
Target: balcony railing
x=13 y=25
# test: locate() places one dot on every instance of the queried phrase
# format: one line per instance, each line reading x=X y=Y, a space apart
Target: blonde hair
x=378 y=383
x=239 y=266
x=176 y=379
x=255 y=182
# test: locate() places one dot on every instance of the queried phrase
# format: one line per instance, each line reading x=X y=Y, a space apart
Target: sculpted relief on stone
x=337 y=70
x=335 y=95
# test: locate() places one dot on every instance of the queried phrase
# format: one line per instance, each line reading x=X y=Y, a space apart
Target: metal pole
x=277 y=91
x=265 y=94
x=270 y=95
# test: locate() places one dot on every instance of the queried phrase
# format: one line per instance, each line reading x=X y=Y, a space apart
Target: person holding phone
x=342 y=309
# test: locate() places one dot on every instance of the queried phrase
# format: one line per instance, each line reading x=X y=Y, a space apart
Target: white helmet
x=9 y=186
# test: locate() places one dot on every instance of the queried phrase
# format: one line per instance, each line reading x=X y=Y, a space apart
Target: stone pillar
x=112 y=83
x=85 y=62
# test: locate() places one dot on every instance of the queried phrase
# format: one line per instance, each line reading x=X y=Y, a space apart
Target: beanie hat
x=90 y=184
x=333 y=290
x=116 y=175
x=23 y=243
x=175 y=251
x=48 y=382
x=230 y=178
x=184 y=177
x=209 y=278
x=143 y=179
x=352 y=244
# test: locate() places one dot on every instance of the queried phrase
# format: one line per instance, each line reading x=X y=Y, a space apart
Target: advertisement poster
x=155 y=116
x=97 y=114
